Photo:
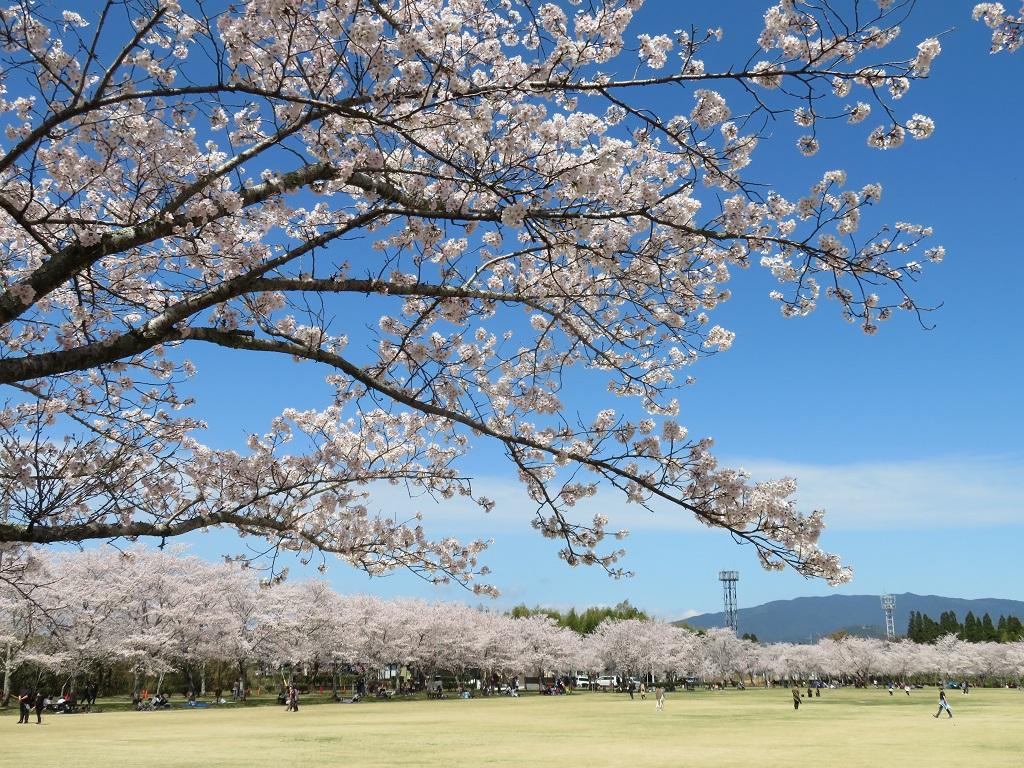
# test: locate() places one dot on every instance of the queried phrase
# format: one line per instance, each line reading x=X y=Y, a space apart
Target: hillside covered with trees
x=923 y=629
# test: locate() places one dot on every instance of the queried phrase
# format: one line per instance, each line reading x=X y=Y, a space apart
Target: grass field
x=721 y=729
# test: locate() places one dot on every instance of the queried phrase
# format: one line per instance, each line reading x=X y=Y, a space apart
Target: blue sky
x=910 y=439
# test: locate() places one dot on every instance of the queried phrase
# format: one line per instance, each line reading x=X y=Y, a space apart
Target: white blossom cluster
x=490 y=181
x=1007 y=28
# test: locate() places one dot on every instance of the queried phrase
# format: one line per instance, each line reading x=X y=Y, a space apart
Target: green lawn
x=721 y=729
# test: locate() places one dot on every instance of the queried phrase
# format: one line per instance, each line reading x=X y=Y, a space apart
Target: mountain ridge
x=806 y=619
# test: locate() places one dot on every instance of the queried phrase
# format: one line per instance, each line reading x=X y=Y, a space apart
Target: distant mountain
x=805 y=619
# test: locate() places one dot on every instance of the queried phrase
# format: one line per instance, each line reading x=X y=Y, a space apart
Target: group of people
x=659 y=693
x=905 y=688
x=291 y=699
x=659 y=696
x=37 y=701
x=811 y=692
x=554 y=689
x=943 y=703
x=29 y=701
x=143 y=702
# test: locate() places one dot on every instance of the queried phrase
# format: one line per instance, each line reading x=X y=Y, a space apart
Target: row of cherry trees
x=153 y=612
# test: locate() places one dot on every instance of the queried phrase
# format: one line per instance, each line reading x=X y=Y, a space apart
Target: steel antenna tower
x=729 y=579
x=888 y=606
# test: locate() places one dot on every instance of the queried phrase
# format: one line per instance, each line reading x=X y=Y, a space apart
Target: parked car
x=582 y=681
x=606 y=681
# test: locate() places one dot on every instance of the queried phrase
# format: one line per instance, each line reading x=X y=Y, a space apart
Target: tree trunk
x=5 y=696
x=159 y=682
x=202 y=679
x=243 y=681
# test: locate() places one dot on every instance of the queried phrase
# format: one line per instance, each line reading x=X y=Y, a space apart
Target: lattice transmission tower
x=889 y=606
x=729 y=579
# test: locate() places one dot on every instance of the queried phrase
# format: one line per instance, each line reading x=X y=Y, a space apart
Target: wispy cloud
x=514 y=510
x=946 y=491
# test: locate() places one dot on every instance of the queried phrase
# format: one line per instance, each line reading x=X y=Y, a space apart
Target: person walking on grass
x=943 y=705
x=38 y=705
x=659 y=696
x=796 y=698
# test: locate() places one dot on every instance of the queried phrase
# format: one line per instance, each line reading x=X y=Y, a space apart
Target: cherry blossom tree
x=498 y=650
x=312 y=628
x=901 y=659
x=724 y=654
x=250 y=624
x=448 y=638
x=1014 y=661
x=989 y=660
x=542 y=646
x=163 y=626
x=493 y=179
x=952 y=657
x=87 y=612
x=623 y=646
x=26 y=612
x=859 y=657
x=673 y=652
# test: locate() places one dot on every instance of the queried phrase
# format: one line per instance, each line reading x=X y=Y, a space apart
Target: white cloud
x=514 y=510
x=946 y=491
